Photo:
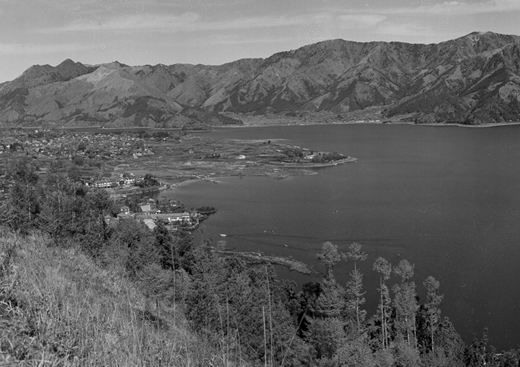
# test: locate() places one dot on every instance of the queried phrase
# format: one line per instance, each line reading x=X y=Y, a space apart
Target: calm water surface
x=445 y=198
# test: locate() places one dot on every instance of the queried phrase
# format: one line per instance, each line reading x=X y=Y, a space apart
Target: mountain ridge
x=473 y=79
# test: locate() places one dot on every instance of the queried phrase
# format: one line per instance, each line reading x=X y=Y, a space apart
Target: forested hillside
x=77 y=291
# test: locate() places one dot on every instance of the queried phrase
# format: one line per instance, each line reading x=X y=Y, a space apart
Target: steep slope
x=475 y=81
x=13 y=94
x=471 y=79
x=111 y=94
x=91 y=313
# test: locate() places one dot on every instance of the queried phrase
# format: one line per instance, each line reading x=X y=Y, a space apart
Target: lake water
x=445 y=198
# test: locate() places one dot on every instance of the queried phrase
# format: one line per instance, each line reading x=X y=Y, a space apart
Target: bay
x=444 y=197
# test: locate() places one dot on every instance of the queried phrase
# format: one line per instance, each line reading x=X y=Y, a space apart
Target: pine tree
x=354 y=289
x=330 y=302
x=384 y=268
x=329 y=256
x=354 y=298
x=450 y=343
x=355 y=253
x=477 y=353
x=99 y=204
x=63 y=208
x=433 y=300
x=405 y=302
x=21 y=209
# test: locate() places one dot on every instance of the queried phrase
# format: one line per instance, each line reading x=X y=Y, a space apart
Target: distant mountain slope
x=473 y=79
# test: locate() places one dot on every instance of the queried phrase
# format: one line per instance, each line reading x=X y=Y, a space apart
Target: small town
x=132 y=165
x=131 y=162
x=57 y=144
x=86 y=156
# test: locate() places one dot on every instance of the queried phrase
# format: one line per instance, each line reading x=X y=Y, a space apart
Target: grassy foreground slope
x=59 y=308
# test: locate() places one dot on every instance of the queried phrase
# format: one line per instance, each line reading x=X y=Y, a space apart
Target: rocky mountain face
x=473 y=79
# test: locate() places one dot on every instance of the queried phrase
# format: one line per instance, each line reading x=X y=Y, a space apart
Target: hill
x=473 y=79
x=59 y=308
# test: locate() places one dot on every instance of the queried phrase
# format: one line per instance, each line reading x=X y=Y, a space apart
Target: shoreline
x=256 y=125
x=183 y=183
x=314 y=165
x=498 y=124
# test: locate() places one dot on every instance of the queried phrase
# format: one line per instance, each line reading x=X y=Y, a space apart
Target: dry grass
x=59 y=309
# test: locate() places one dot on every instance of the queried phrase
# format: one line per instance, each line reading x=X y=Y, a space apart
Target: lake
x=444 y=197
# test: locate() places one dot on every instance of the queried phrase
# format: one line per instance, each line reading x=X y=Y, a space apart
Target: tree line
x=247 y=311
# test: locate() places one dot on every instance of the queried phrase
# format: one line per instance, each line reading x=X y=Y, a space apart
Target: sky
x=213 y=32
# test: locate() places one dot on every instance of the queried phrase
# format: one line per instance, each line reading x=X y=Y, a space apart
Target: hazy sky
x=138 y=32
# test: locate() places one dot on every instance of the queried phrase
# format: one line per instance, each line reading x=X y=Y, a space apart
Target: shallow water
x=445 y=198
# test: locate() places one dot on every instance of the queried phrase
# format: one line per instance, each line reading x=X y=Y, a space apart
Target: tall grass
x=58 y=308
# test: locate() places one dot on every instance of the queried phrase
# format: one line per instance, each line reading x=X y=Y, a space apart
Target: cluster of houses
x=124 y=180
x=295 y=152
x=150 y=215
x=14 y=147
x=52 y=144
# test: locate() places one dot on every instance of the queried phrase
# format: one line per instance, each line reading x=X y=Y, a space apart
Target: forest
x=242 y=313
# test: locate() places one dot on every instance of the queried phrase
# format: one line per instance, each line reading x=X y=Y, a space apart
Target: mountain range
x=473 y=79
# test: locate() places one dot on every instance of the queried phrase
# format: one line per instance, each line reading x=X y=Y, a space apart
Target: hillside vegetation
x=59 y=308
x=75 y=291
x=474 y=79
